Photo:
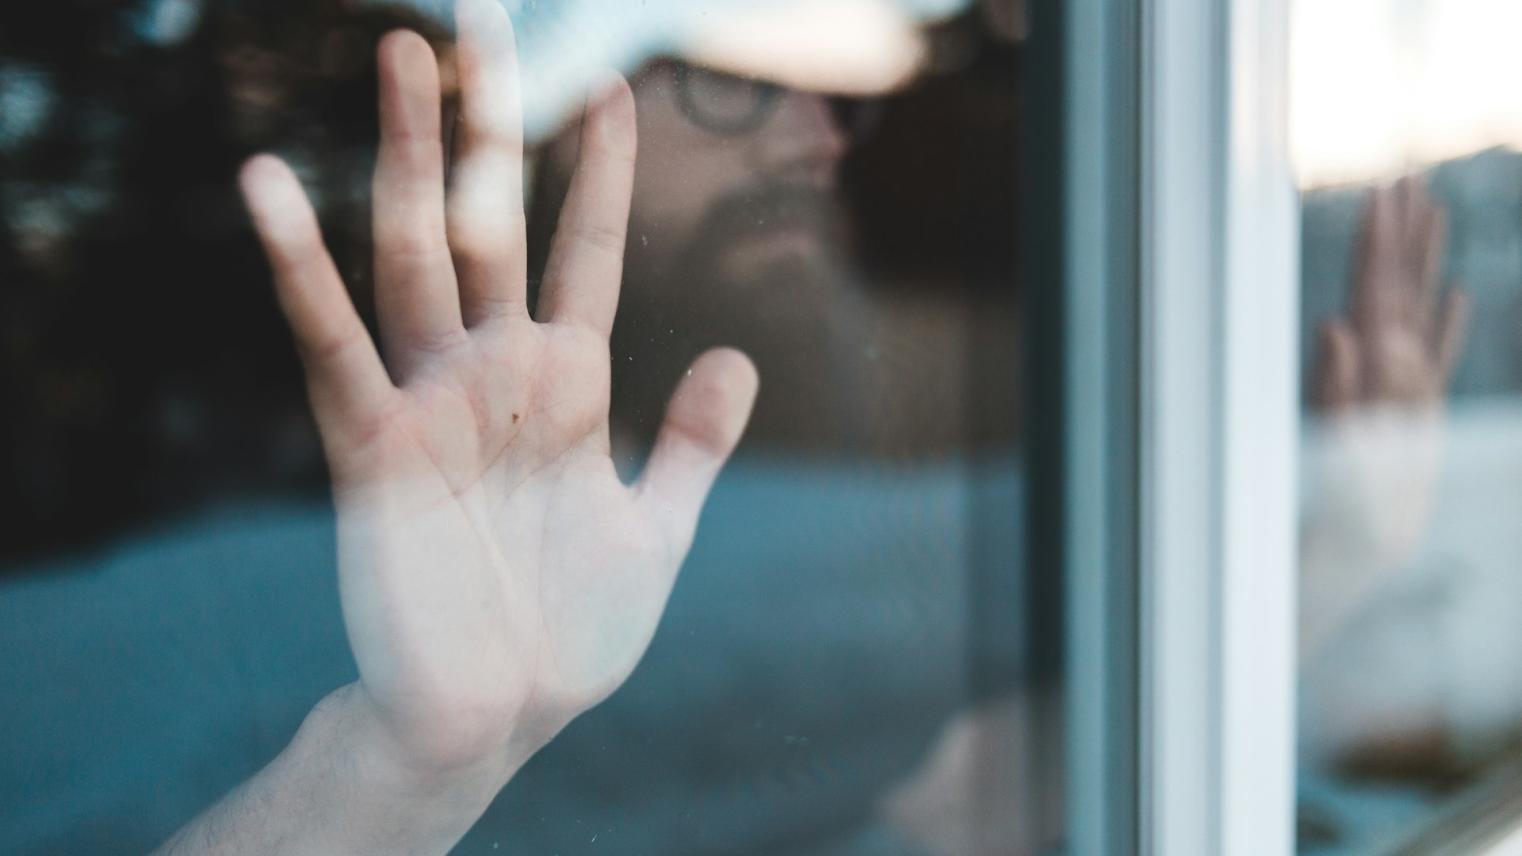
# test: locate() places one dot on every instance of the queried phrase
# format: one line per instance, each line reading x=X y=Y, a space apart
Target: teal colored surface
x=815 y=644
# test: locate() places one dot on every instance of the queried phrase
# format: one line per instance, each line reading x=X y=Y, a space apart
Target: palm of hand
x=497 y=577
x=1384 y=373
x=489 y=554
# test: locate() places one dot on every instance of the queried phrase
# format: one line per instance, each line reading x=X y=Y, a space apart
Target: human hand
x=1384 y=372
x=1402 y=335
x=1380 y=385
x=497 y=578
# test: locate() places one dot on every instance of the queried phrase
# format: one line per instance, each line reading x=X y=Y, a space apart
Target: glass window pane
x=420 y=487
x=1406 y=141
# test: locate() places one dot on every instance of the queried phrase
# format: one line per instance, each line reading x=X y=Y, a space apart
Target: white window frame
x=1218 y=437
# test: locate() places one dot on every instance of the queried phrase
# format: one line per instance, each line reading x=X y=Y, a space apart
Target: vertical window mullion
x=1220 y=358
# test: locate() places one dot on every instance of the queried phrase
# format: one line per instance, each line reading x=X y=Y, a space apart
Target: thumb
x=703 y=423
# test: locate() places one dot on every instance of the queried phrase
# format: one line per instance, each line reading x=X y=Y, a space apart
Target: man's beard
x=745 y=218
x=783 y=309
x=720 y=277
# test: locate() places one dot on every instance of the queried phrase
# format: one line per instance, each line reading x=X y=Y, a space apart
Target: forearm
x=339 y=788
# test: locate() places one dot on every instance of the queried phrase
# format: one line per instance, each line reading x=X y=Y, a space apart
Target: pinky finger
x=346 y=380
x=703 y=424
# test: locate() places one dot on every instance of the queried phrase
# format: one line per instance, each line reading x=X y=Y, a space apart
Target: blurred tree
x=145 y=368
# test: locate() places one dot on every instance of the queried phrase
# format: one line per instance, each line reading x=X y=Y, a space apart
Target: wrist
x=344 y=785
x=407 y=802
x=397 y=759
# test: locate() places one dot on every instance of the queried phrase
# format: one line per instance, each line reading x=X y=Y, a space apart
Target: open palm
x=1384 y=372
x=497 y=577
x=1381 y=385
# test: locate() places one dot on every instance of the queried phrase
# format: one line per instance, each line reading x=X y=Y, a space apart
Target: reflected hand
x=1381 y=383
x=1385 y=369
x=497 y=578
x=1402 y=338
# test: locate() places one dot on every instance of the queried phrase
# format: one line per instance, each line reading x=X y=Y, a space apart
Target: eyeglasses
x=730 y=105
x=725 y=104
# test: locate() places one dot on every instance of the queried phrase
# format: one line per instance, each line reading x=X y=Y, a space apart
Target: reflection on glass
x=840 y=668
x=1409 y=595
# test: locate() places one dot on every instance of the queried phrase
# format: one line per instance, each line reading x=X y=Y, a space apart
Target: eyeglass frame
x=767 y=97
x=858 y=123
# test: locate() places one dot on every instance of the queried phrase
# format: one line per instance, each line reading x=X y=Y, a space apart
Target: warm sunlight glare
x=1385 y=86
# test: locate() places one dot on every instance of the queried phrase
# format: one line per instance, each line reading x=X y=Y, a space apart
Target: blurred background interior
x=831 y=185
x=123 y=122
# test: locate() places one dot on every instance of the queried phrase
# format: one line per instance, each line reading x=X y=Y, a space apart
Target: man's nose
x=802 y=140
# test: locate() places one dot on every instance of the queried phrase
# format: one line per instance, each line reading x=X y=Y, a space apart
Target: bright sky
x=1382 y=86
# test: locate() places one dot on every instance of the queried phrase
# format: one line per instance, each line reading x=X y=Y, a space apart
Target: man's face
x=736 y=183
x=736 y=238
